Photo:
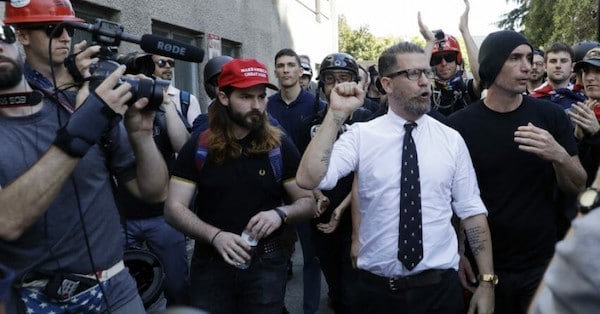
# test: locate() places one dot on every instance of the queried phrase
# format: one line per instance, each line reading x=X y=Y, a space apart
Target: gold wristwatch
x=588 y=200
x=489 y=278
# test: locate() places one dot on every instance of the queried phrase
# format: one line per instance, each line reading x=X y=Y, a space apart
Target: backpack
x=275 y=158
x=184 y=100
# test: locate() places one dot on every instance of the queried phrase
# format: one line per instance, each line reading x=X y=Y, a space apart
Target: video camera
x=109 y=35
x=439 y=34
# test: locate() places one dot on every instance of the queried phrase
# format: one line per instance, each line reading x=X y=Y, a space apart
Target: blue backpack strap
x=202 y=149
x=184 y=100
x=276 y=163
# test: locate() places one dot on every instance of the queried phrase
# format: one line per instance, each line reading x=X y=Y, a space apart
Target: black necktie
x=410 y=239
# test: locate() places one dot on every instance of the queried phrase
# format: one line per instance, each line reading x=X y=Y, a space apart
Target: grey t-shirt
x=572 y=281
x=56 y=240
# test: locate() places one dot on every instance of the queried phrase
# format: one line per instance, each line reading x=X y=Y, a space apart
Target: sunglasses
x=437 y=59
x=161 y=63
x=7 y=34
x=54 y=30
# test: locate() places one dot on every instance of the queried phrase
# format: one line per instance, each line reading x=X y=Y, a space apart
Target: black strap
x=73 y=70
x=184 y=101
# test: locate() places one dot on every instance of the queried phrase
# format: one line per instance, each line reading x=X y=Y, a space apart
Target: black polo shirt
x=231 y=193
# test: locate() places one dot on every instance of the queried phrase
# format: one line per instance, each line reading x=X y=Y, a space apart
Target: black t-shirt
x=132 y=207
x=448 y=101
x=517 y=187
x=344 y=185
x=231 y=193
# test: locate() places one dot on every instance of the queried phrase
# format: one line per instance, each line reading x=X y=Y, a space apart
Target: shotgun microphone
x=171 y=48
x=103 y=30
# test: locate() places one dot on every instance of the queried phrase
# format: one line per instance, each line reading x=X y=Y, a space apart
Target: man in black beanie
x=523 y=149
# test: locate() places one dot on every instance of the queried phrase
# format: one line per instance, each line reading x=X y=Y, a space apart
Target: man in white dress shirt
x=164 y=68
x=373 y=150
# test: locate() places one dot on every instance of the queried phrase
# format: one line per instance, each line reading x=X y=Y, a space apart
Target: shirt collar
x=399 y=122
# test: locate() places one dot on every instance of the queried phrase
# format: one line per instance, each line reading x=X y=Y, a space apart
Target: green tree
x=513 y=20
x=574 y=21
x=548 y=21
x=361 y=43
x=537 y=22
x=358 y=43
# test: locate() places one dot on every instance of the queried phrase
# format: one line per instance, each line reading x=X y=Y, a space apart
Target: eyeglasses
x=7 y=34
x=413 y=74
x=341 y=77
x=161 y=63
x=52 y=32
x=437 y=59
x=538 y=64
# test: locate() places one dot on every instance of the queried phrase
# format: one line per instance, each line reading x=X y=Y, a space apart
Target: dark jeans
x=311 y=271
x=220 y=288
x=444 y=297
x=169 y=245
x=334 y=256
x=516 y=289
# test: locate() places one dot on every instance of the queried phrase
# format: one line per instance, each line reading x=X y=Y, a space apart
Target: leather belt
x=62 y=286
x=108 y=273
x=425 y=278
x=40 y=280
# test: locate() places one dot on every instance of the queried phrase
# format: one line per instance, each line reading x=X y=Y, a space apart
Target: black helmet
x=582 y=47
x=148 y=273
x=306 y=70
x=212 y=69
x=339 y=61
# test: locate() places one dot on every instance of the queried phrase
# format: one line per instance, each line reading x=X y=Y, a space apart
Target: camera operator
x=451 y=89
x=59 y=225
x=35 y=24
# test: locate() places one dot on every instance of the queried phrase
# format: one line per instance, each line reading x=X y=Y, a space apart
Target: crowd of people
x=411 y=186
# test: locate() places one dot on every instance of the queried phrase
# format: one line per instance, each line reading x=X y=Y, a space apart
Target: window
x=90 y=12
x=231 y=48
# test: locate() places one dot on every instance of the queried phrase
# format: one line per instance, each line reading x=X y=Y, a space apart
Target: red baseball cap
x=244 y=73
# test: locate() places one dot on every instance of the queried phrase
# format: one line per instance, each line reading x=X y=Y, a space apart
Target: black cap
x=592 y=58
x=494 y=51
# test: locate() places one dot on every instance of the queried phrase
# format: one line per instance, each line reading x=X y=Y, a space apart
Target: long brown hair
x=222 y=144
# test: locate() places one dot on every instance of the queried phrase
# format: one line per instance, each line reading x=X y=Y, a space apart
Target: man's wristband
x=282 y=215
x=214 y=237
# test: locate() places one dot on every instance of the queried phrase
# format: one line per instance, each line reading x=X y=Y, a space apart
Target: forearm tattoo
x=476 y=238
x=339 y=120
x=326 y=157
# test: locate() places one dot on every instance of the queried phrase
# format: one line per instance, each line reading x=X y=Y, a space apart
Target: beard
x=11 y=72
x=417 y=107
x=253 y=120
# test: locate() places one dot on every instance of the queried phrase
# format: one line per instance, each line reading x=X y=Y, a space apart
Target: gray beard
x=417 y=109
